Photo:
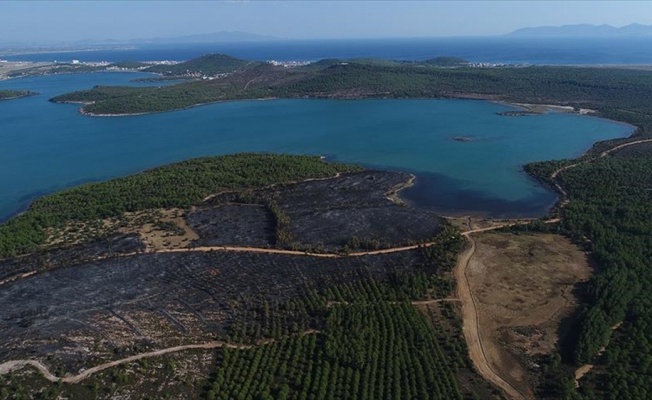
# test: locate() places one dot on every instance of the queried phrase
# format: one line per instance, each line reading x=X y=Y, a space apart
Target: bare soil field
x=167 y=229
x=474 y=223
x=523 y=287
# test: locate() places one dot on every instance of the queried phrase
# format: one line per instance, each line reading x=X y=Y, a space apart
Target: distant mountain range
x=584 y=30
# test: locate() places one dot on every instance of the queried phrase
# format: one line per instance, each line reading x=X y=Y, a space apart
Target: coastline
x=533 y=108
x=20 y=96
x=91 y=114
x=5 y=77
x=536 y=108
x=585 y=112
x=15 y=97
x=317 y=97
x=394 y=194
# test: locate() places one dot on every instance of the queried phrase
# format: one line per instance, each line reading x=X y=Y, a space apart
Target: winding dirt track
x=469 y=308
x=10 y=365
x=471 y=324
x=605 y=153
x=14 y=364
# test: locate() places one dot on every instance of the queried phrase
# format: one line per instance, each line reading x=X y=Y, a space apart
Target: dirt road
x=470 y=323
x=330 y=255
x=603 y=154
x=16 y=364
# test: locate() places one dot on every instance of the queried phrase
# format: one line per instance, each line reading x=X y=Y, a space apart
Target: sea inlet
x=45 y=147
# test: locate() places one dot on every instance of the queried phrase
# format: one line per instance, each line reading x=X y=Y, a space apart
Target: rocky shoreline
x=517 y=113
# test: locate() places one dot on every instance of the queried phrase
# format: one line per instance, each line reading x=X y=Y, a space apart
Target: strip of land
x=15 y=94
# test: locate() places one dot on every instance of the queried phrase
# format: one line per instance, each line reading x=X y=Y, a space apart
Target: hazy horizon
x=71 y=21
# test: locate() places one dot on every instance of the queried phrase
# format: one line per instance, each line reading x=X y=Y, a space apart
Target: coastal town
x=17 y=69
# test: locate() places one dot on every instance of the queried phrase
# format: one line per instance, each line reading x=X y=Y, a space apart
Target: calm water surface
x=45 y=147
x=574 y=51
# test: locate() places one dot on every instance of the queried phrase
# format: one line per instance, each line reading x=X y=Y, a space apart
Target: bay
x=45 y=147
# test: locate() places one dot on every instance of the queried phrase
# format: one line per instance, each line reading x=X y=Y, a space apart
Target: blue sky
x=28 y=21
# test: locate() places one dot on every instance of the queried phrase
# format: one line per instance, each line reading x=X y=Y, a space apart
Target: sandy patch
x=169 y=229
x=523 y=286
x=159 y=228
x=468 y=223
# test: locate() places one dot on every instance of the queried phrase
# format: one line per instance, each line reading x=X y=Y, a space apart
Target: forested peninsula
x=619 y=94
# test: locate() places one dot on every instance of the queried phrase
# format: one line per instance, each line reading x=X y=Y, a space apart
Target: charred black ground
x=80 y=305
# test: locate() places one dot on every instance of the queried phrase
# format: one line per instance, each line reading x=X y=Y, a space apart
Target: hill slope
x=206 y=65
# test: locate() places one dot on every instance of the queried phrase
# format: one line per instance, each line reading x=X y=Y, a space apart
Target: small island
x=15 y=94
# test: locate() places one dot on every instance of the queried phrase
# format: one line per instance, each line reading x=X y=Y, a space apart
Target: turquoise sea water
x=45 y=147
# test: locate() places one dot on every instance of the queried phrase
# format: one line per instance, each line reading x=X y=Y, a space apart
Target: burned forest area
x=289 y=267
